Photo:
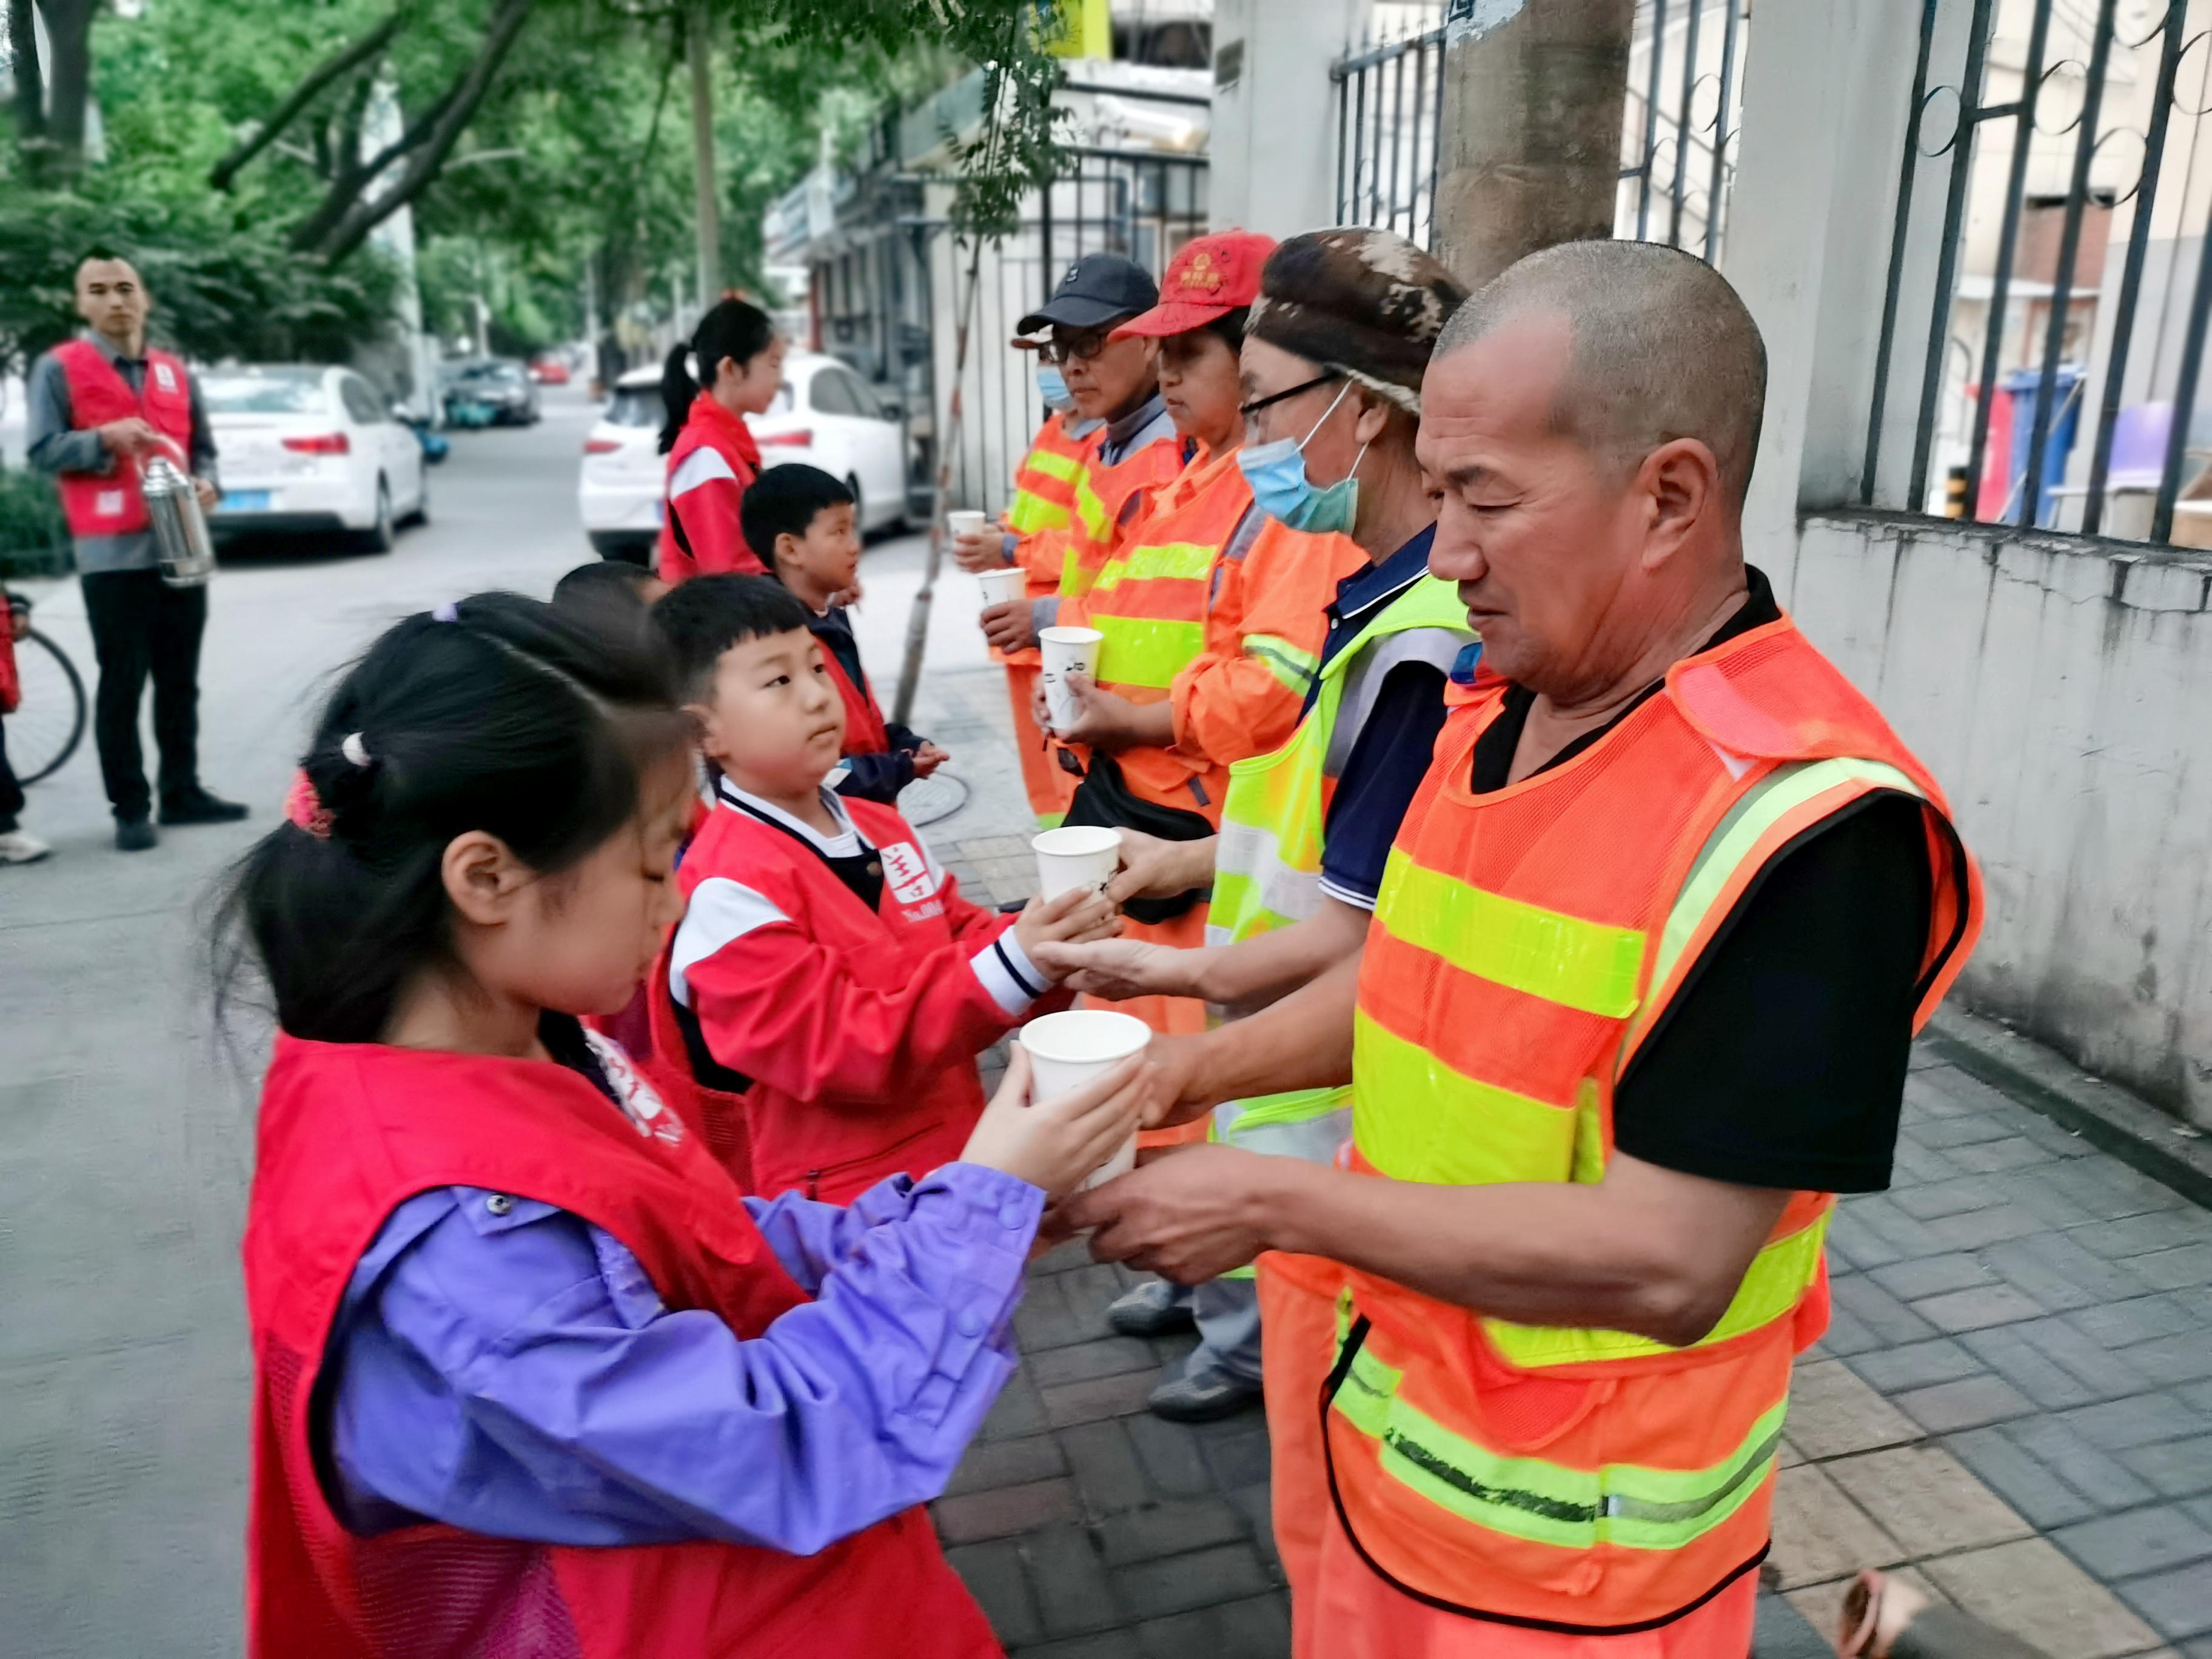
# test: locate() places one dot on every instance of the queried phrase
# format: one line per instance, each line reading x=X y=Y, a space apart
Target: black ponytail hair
x=501 y=714
x=731 y=328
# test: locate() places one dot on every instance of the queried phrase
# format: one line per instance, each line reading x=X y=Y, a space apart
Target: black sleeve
x=1382 y=774
x=201 y=448
x=1781 y=1063
x=877 y=777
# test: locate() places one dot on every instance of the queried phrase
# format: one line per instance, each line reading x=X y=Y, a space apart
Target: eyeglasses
x=1274 y=397
x=1074 y=348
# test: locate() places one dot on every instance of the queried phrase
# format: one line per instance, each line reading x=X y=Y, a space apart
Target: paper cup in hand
x=964 y=522
x=1069 y=1050
x=1066 y=651
x=1079 y=855
x=1001 y=586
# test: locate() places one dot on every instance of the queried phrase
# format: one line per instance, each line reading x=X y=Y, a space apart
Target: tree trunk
x=348 y=213
x=30 y=75
x=69 y=41
x=1534 y=97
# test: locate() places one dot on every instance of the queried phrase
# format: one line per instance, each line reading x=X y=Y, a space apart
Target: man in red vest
x=99 y=404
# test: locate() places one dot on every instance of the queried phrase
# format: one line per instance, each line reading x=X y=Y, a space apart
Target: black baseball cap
x=1099 y=288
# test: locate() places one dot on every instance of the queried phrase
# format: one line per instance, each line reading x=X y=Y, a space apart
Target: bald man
x=99 y=404
x=1649 y=952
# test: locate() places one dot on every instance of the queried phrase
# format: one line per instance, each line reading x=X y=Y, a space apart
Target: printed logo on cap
x=1202 y=272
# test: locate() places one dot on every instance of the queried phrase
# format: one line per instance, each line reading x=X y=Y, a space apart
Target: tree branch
x=369 y=46
x=333 y=234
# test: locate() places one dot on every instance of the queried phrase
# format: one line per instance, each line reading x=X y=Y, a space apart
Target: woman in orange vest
x=1043 y=502
x=1637 y=1001
x=737 y=358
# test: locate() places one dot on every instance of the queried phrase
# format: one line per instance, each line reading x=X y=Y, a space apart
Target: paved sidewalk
x=2013 y=1403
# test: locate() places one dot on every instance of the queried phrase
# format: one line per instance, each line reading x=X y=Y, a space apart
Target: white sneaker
x=19 y=846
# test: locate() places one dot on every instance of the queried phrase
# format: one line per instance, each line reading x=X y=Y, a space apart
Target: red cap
x=1209 y=276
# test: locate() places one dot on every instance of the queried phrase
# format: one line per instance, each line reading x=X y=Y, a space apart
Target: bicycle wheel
x=44 y=731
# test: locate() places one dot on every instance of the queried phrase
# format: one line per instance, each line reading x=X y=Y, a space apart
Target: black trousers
x=141 y=627
x=11 y=793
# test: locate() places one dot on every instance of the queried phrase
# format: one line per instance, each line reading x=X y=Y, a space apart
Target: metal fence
x=1678 y=136
x=2044 y=327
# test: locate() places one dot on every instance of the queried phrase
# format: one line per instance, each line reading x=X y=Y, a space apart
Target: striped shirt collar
x=846 y=843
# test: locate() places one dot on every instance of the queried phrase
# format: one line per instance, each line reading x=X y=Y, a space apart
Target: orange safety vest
x=1525 y=942
x=1044 y=483
x=1150 y=600
x=1102 y=511
x=1042 y=507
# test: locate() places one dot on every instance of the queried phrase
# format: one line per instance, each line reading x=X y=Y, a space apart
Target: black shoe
x=135 y=836
x=1203 y=1395
x=1155 y=1308
x=196 y=805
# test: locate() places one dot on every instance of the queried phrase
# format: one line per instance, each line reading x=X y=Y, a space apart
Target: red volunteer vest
x=350 y=1131
x=109 y=504
x=707 y=426
x=783 y=1143
x=865 y=731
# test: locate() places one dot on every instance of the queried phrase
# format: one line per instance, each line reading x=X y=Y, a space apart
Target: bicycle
x=49 y=723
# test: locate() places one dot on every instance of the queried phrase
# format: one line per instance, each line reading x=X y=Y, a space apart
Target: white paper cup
x=1068 y=1050
x=1001 y=586
x=1075 y=855
x=1066 y=651
x=964 y=521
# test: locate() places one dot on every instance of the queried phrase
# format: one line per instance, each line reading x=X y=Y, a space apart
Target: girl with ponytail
x=737 y=358
x=530 y=1375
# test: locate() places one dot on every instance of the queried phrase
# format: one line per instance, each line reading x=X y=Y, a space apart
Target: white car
x=824 y=415
x=304 y=447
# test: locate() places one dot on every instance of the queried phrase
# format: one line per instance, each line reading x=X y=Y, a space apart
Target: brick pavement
x=2013 y=1404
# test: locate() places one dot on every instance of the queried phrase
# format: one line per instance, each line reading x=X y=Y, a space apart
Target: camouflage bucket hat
x=1367 y=303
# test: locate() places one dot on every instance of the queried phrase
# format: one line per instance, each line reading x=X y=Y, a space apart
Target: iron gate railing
x=2060 y=235
x=1677 y=135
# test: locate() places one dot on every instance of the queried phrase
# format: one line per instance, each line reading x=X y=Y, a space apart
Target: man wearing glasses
x=1117 y=381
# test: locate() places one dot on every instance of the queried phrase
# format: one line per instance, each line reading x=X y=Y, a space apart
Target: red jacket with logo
x=851 y=1032
x=700 y=534
x=109 y=504
x=350 y=1131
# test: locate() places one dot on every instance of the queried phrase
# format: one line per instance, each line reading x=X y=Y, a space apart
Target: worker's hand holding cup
x=1003 y=584
x=1010 y=626
x=977 y=544
x=1068 y=651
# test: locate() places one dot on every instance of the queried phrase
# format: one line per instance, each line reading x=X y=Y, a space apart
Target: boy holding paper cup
x=820 y=1007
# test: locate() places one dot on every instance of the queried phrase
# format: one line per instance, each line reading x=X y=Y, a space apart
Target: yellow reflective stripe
x=1054 y=465
x=1586 y=965
x=1771 y=1287
x=1180 y=561
x=1444 y=1125
x=1027 y=513
x=1294 y=668
x=1547 y=1503
x=1051 y=820
x=1144 y=650
x=1738 y=834
x=1092 y=511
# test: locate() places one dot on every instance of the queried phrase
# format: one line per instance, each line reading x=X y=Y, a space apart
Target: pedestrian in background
x=17 y=846
x=731 y=367
x=99 y=404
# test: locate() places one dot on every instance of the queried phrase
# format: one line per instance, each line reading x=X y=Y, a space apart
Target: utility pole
x=1530 y=152
x=708 y=209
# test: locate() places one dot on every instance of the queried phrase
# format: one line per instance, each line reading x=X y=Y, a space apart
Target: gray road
x=125 y=1133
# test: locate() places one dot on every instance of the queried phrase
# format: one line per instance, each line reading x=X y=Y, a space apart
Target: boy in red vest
x=829 y=989
x=798 y=521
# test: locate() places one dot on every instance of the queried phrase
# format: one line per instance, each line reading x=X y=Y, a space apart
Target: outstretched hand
x=1119 y=968
x=1190 y=1214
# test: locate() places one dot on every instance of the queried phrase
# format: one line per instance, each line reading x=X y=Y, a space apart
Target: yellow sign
x=1084 y=28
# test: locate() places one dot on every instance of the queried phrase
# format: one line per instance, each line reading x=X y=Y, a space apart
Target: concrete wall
x=1273 y=143
x=2061 y=690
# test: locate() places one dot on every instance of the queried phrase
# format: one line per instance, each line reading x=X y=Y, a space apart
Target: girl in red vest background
x=732 y=366
x=531 y=1376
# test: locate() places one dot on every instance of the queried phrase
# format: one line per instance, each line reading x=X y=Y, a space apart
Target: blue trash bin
x=2024 y=386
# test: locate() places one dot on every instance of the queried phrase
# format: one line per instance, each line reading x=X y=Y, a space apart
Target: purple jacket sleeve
x=506 y=1367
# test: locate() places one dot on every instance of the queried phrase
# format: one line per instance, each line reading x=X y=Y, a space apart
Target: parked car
x=825 y=415
x=304 y=447
x=489 y=391
x=549 y=370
